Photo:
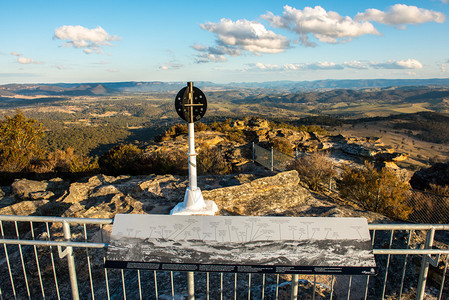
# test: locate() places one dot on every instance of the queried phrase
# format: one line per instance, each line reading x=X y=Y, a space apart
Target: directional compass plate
x=190 y=110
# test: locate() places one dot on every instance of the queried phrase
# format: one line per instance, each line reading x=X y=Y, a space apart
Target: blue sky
x=221 y=41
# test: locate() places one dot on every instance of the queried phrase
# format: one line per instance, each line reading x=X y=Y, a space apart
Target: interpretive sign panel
x=292 y=245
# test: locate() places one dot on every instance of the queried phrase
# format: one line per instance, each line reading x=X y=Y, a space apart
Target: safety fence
x=427 y=207
x=63 y=258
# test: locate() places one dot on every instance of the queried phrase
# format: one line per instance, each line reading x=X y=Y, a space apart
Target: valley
x=91 y=118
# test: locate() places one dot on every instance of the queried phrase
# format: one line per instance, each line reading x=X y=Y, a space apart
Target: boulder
x=25 y=208
x=437 y=174
x=265 y=196
x=30 y=189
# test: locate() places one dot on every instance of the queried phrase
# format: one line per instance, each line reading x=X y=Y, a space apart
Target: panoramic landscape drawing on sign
x=241 y=244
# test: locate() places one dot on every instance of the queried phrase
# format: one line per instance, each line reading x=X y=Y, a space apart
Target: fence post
x=191 y=285
x=425 y=265
x=294 y=292
x=71 y=261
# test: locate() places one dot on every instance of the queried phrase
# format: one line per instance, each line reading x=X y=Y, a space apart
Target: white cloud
x=61 y=67
x=326 y=26
x=443 y=68
x=295 y=67
x=445 y=1
x=324 y=66
x=400 y=64
x=205 y=57
x=410 y=64
x=267 y=67
x=355 y=65
x=401 y=15
x=171 y=66
x=27 y=61
x=113 y=70
x=15 y=53
x=90 y=40
x=235 y=38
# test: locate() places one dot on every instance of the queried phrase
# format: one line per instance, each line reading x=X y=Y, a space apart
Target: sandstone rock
x=264 y=196
x=395 y=156
x=258 y=123
x=25 y=189
x=24 y=208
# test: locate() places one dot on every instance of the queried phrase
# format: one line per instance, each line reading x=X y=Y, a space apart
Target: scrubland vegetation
x=72 y=137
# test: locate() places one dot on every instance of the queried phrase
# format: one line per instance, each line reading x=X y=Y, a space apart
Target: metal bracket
x=433 y=262
x=67 y=251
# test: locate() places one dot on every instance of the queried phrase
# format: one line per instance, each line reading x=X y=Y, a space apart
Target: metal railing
x=412 y=262
x=427 y=207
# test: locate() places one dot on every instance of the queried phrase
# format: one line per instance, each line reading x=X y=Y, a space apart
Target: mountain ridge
x=107 y=88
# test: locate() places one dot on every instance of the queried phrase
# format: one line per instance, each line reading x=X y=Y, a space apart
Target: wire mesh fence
x=427 y=207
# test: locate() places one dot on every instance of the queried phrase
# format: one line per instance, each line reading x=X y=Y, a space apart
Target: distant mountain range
x=109 y=88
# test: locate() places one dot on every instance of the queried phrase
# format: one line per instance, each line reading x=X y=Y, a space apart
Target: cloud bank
x=90 y=40
x=327 y=27
x=401 y=15
x=239 y=37
x=311 y=25
x=411 y=64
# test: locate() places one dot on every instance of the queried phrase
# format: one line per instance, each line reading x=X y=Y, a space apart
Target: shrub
x=314 y=169
x=63 y=161
x=378 y=191
x=282 y=145
x=211 y=161
x=166 y=161
x=19 y=142
x=439 y=189
x=172 y=132
x=121 y=159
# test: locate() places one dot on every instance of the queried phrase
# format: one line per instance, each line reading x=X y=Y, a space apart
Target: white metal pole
x=192 y=158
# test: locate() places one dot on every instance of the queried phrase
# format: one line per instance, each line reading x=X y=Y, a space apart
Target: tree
x=211 y=161
x=19 y=142
x=314 y=169
x=378 y=191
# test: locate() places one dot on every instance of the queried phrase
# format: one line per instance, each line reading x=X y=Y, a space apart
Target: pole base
x=194 y=204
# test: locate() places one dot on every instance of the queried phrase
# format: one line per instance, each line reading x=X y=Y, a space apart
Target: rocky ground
x=253 y=193
x=104 y=196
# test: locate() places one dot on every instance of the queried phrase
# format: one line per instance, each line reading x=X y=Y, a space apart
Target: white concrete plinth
x=194 y=204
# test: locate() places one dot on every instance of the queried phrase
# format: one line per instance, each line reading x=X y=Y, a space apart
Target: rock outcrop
x=438 y=174
x=103 y=196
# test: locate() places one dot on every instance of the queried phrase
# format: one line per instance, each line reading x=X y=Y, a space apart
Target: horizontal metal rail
x=94 y=221
x=87 y=221
x=53 y=243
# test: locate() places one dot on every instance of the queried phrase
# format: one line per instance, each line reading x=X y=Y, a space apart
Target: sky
x=222 y=41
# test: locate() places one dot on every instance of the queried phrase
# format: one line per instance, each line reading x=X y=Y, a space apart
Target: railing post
x=191 y=285
x=425 y=265
x=71 y=261
x=272 y=159
x=294 y=293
